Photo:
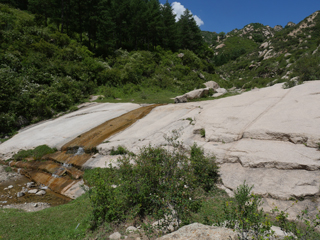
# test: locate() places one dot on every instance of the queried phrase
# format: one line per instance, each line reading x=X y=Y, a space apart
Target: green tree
x=169 y=31
x=154 y=23
x=189 y=32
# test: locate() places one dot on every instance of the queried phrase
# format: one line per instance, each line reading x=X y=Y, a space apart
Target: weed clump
x=119 y=151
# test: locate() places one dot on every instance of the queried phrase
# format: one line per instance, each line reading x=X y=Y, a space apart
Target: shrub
x=304 y=227
x=244 y=215
x=161 y=184
x=205 y=168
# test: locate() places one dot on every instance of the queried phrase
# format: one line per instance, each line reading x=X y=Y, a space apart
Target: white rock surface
x=131 y=229
x=41 y=193
x=212 y=85
x=198 y=231
x=115 y=235
x=33 y=191
x=267 y=137
x=57 y=132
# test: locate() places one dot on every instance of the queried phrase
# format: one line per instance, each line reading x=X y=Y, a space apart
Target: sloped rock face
x=266 y=137
x=56 y=133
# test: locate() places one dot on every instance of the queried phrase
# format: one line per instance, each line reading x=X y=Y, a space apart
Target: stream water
x=62 y=170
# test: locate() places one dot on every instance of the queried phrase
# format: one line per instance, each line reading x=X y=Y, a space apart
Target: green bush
x=245 y=216
x=205 y=168
x=304 y=226
x=307 y=67
x=161 y=184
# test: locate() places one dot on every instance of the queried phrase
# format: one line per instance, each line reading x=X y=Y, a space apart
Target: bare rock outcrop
x=267 y=137
x=278 y=28
x=198 y=231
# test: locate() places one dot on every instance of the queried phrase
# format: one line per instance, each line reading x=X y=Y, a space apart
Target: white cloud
x=198 y=20
x=178 y=9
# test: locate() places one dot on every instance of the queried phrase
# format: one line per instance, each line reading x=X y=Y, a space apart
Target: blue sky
x=226 y=15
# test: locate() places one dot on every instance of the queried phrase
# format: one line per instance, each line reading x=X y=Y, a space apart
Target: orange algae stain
x=64 y=157
x=97 y=135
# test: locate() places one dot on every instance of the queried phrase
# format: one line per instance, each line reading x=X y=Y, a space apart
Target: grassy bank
x=58 y=222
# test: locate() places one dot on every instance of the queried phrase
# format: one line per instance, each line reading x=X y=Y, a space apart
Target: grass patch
x=119 y=151
x=36 y=153
x=147 y=95
x=8 y=169
x=58 y=222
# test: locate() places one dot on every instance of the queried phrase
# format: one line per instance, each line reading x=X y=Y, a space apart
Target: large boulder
x=212 y=85
x=197 y=93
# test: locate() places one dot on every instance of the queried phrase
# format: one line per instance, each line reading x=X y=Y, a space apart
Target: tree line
x=106 y=25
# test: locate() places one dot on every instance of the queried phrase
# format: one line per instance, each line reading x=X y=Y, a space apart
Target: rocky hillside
x=258 y=55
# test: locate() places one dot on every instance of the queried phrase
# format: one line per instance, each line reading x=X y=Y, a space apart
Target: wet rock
x=20 y=194
x=115 y=235
x=41 y=193
x=30 y=184
x=9 y=187
x=33 y=191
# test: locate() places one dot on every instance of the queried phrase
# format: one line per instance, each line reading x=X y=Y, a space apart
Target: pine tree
x=189 y=32
x=169 y=32
x=153 y=23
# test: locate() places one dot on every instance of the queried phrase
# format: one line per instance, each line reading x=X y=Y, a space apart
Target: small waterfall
x=80 y=151
x=67 y=165
x=55 y=176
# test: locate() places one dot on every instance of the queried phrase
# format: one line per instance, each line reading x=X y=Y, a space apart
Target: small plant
x=304 y=227
x=119 y=151
x=203 y=132
x=8 y=169
x=190 y=120
x=244 y=215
